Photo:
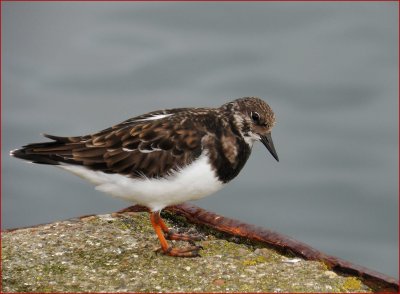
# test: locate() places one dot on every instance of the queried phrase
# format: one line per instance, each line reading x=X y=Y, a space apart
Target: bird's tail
x=59 y=150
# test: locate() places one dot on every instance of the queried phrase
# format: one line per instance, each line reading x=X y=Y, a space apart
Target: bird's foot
x=171 y=235
x=190 y=251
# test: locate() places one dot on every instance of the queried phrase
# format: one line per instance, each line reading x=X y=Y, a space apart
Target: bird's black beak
x=267 y=141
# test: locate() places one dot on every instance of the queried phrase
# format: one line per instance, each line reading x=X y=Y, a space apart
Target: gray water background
x=329 y=71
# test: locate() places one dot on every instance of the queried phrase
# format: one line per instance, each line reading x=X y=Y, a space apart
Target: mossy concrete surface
x=117 y=253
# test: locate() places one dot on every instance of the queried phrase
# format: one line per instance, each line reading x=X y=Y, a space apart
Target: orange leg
x=160 y=227
x=170 y=235
x=164 y=227
x=154 y=218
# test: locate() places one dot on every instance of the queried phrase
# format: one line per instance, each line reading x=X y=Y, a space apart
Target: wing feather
x=141 y=146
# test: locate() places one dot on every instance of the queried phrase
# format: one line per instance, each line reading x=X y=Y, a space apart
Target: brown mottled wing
x=149 y=148
x=135 y=147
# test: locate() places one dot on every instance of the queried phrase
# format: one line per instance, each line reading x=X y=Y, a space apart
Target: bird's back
x=151 y=145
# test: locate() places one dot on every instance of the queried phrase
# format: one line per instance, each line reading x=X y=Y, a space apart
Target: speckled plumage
x=144 y=146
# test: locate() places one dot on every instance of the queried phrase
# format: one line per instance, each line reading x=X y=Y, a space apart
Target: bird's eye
x=255 y=116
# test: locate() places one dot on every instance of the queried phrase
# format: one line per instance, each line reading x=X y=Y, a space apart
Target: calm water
x=329 y=70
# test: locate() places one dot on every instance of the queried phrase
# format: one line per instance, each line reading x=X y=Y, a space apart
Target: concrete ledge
x=284 y=244
x=116 y=253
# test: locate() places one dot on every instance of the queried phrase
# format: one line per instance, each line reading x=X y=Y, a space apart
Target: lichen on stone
x=117 y=253
x=351 y=284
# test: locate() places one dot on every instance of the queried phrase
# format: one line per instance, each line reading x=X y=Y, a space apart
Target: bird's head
x=254 y=119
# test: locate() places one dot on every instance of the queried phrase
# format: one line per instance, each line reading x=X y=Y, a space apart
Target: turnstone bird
x=164 y=157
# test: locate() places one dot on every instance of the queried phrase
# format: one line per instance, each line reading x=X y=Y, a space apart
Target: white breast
x=195 y=181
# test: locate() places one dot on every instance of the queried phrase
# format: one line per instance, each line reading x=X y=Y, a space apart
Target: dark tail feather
x=35 y=158
x=66 y=139
x=27 y=154
x=60 y=150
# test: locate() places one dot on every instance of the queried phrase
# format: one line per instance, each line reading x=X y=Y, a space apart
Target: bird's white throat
x=192 y=182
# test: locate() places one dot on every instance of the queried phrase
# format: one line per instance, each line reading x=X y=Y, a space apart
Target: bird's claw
x=190 y=251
